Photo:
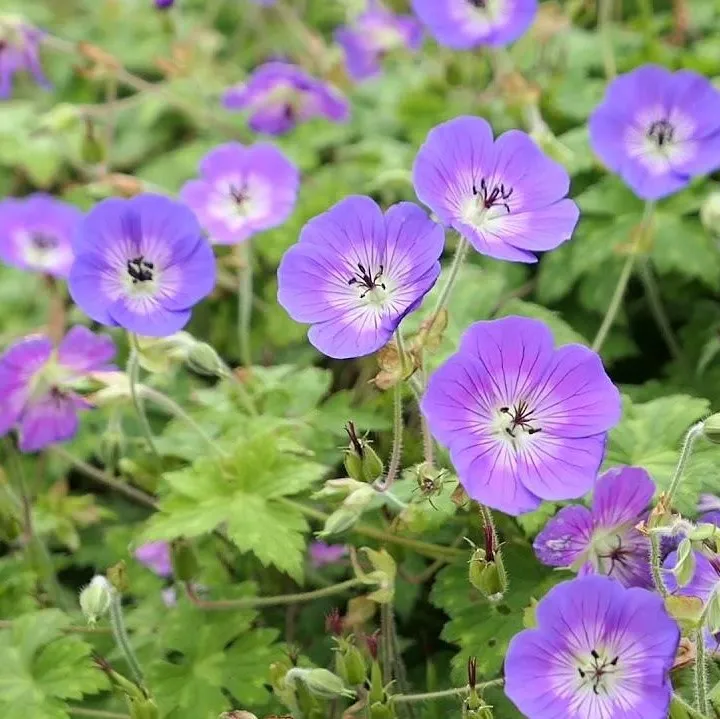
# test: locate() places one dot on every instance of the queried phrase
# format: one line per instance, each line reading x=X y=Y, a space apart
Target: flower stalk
x=245 y=299
x=688 y=444
x=133 y=374
x=700 y=672
x=119 y=630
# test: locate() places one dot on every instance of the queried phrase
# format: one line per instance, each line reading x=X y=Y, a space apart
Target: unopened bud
x=361 y=460
x=339 y=521
x=702 y=532
x=488 y=576
x=712 y=613
x=184 y=561
x=143 y=708
x=381 y=711
x=710 y=213
x=377 y=688
x=711 y=428
x=95 y=599
x=204 y=359
x=354 y=665
x=320 y=682
x=684 y=568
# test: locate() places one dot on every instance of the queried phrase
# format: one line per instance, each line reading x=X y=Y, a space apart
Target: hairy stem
x=700 y=673
x=117 y=622
x=655 y=565
x=442 y=301
x=396 y=453
x=685 y=453
x=280 y=600
x=654 y=298
x=445 y=694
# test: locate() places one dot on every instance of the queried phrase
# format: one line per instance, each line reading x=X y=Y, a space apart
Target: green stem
x=693 y=433
x=396 y=453
x=623 y=280
x=445 y=694
x=245 y=294
x=460 y=252
x=605 y=11
x=133 y=374
x=654 y=298
x=417 y=386
x=8 y=624
x=281 y=600
x=177 y=411
x=386 y=644
x=691 y=711
x=117 y=622
x=700 y=673
x=656 y=566
x=434 y=551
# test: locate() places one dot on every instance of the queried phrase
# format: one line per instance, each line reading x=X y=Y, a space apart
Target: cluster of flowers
x=524 y=421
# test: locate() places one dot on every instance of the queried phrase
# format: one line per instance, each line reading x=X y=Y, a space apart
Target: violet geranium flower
x=600 y=650
x=355 y=273
x=524 y=422
x=322 y=554
x=141 y=264
x=709 y=509
x=373 y=34
x=464 y=24
x=505 y=197
x=19 y=51
x=156 y=557
x=658 y=129
x=36 y=233
x=242 y=190
x=36 y=385
x=279 y=95
x=603 y=540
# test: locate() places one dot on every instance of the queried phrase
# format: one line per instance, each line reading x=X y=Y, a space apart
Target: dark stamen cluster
x=240 y=195
x=599 y=667
x=368 y=280
x=499 y=195
x=140 y=270
x=482 y=4
x=661 y=131
x=43 y=242
x=521 y=415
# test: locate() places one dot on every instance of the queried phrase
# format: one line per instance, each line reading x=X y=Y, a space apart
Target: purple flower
x=600 y=651
x=658 y=129
x=355 y=273
x=156 y=557
x=322 y=554
x=242 y=190
x=604 y=540
x=523 y=421
x=279 y=95
x=19 y=51
x=36 y=233
x=709 y=509
x=374 y=33
x=506 y=197
x=141 y=264
x=36 y=385
x=464 y=24
x=164 y=4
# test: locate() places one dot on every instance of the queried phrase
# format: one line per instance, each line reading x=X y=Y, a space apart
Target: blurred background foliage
x=137 y=101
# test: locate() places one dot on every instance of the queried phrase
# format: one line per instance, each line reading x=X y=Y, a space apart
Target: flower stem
x=460 y=252
x=280 y=600
x=623 y=280
x=700 y=672
x=177 y=411
x=605 y=11
x=133 y=374
x=693 y=433
x=245 y=296
x=691 y=711
x=396 y=453
x=117 y=622
x=444 y=694
x=434 y=551
x=655 y=565
x=656 y=307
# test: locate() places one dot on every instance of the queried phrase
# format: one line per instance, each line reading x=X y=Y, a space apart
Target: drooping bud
x=95 y=599
x=711 y=428
x=710 y=213
x=361 y=460
x=204 y=359
x=184 y=561
x=320 y=682
x=684 y=568
x=382 y=575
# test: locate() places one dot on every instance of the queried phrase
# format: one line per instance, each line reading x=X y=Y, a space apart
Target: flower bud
x=339 y=521
x=488 y=576
x=204 y=359
x=381 y=711
x=158 y=354
x=95 y=599
x=143 y=708
x=320 y=682
x=377 y=689
x=685 y=566
x=712 y=613
x=184 y=561
x=361 y=460
x=354 y=662
x=710 y=213
x=702 y=532
x=711 y=428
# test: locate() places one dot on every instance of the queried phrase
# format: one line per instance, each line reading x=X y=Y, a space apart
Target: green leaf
x=40 y=667
x=245 y=492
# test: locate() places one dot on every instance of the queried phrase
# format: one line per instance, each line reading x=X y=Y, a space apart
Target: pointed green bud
x=702 y=532
x=320 y=682
x=381 y=711
x=184 y=561
x=377 y=689
x=488 y=576
x=710 y=213
x=95 y=599
x=143 y=708
x=483 y=712
x=204 y=359
x=685 y=566
x=712 y=613
x=361 y=460
x=354 y=666
x=711 y=428
x=339 y=521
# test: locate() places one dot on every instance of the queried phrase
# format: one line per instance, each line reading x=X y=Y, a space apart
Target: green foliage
x=40 y=667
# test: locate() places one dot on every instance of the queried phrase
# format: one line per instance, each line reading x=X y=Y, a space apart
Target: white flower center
x=486 y=203
x=484 y=13
x=598 y=671
x=516 y=424
x=371 y=285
